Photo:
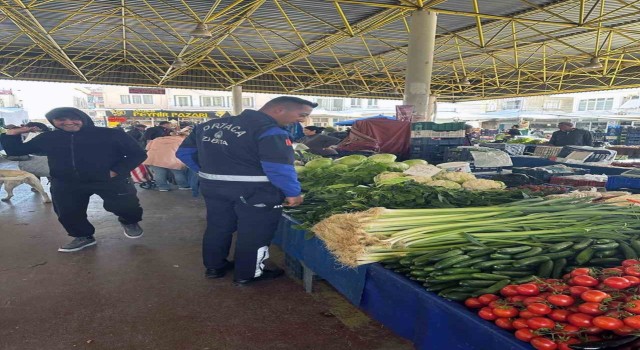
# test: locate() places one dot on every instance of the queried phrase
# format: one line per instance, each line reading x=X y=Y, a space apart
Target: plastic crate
x=540 y=174
x=547 y=151
x=513 y=149
x=567 y=181
x=619 y=182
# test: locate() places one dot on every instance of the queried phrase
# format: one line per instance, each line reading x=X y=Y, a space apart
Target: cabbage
x=319 y=163
x=389 y=178
x=299 y=169
x=340 y=167
x=383 y=158
x=352 y=160
x=412 y=162
x=397 y=167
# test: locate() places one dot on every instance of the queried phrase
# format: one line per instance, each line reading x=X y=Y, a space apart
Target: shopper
x=161 y=159
x=162 y=129
x=245 y=164
x=317 y=142
x=137 y=132
x=85 y=160
x=36 y=164
x=568 y=135
x=514 y=131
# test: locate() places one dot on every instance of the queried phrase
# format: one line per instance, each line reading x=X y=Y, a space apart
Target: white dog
x=13 y=178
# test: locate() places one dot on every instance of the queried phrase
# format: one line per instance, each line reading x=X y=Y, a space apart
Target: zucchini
x=534 y=260
x=514 y=274
x=560 y=246
x=558 y=267
x=459 y=270
x=451 y=261
x=476 y=283
x=584 y=256
x=606 y=253
x=445 y=255
x=492 y=289
x=582 y=244
x=514 y=250
x=545 y=269
x=498 y=256
x=481 y=252
x=605 y=246
x=470 y=262
x=490 y=263
x=488 y=276
x=532 y=252
x=560 y=255
x=627 y=251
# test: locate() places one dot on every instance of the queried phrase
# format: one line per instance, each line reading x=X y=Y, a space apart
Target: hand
x=293 y=201
x=21 y=130
x=112 y=173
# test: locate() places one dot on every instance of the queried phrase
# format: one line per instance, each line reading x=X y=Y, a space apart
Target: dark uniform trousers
x=71 y=200
x=253 y=210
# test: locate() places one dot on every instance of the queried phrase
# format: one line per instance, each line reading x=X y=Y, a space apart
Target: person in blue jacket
x=245 y=165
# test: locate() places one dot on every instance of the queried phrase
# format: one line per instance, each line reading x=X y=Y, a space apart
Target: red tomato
x=632 y=279
x=517 y=298
x=529 y=289
x=569 y=329
x=608 y=323
x=582 y=271
x=527 y=314
x=487 y=314
x=630 y=262
x=565 y=345
x=525 y=334
x=633 y=306
x=615 y=314
x=559 y=315
x=509 y=291
x=583 y=280
x=593 y=338
x=505 y=311
x=580 y=320
x=542 y=343
x=540 y=322
x=592 y=308
x=633 y=270
x=624 y=330
x=612 y=271
x=520 y=323
x=594 y=296
x=593 y=330
x=560 y=300
x=617 y=282
x=496 y=303
x=473 y=303
x=530 y=300
x=576 y=291
x=539 y=308
x=633 y=322
x=558 y=288
x=487 y=298
x=505 y=323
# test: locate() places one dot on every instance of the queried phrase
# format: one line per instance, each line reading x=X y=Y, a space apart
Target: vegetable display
x=587 y=308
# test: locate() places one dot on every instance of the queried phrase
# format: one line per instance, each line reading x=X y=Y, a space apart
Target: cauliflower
x=389 y=178
x=483 y=185
x=423 y=170
x=420 y=179
x=458 y=177
x=445 y=183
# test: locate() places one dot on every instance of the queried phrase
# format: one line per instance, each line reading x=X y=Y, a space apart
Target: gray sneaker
x=78 y=243
x=132 y=230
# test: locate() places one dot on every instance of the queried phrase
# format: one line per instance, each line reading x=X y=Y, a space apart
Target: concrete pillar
x=422 y=40
x=432 y=108
x=236 y=97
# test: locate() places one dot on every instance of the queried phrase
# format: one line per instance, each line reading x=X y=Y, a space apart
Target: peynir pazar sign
x=134 y=113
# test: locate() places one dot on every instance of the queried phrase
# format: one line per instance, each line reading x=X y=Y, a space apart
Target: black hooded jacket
x=87 y=155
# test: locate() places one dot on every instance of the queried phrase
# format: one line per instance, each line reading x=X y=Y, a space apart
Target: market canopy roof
x=324 y=47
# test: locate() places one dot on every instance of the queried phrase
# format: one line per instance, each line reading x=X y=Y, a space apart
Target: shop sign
x=131 y=113
x=147 y=91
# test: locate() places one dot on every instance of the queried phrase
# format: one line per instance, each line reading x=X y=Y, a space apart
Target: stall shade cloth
x=379 y=135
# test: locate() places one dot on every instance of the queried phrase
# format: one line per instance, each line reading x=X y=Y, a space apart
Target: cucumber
x=606 y=253
x=488 y=276
x=470 y=262
x=532 y=252
x=545 y=269
x=424 y=258
x=456 y=277
x=605 y=246
x=392 y=266
x=582 y=244
x=627 y=251
x=534 y=260
x=445 y=255
x=459 y=289
x=605 y=261
x=428 y=268
x=406 y=261
x=604 y=241
x=506 y=267
x=635 y=244
x=491 y=263
x=525 y=279
x=402 y=270
x=498 y=256
x=481 y=252
x=444 y=263
x=558 y=267
x=476 y=283
x=492 y=289
x=455 y=296
x=514 y=274
x=460 y=270
x=559 y=246
x=584 y=256
x=473 y=248
x=438 y=287
x=419 y=273
x=514 y=250
x=560 y=255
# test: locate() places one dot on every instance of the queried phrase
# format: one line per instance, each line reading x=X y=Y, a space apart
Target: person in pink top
x=161 y=159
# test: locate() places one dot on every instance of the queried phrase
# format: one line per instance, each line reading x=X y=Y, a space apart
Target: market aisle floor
x=150 y=293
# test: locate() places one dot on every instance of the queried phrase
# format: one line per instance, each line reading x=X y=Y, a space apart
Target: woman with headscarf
x=317 y=142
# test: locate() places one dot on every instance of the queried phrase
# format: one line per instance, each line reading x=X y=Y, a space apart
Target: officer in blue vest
x=245 y=165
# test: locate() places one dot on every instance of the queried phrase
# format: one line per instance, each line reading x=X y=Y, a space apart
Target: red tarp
x=378 y=135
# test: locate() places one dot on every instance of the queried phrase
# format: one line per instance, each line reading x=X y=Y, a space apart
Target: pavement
x=150 y=293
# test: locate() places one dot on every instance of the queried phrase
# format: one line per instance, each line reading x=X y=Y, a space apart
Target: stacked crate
x=430 y=141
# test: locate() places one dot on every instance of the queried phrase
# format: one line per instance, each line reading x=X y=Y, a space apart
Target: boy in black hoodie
x=85 y=160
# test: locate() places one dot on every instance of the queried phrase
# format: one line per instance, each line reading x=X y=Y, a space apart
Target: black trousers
x=71 y=199
x=247 y=208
